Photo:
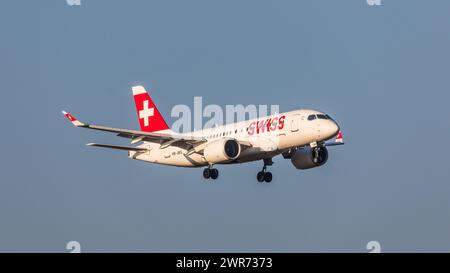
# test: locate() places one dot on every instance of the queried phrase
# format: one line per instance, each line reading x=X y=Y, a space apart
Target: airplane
x=301 y=136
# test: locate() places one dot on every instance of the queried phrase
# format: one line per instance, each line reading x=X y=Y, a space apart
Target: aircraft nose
x=333 y=128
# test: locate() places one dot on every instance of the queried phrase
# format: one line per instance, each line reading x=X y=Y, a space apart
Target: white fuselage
x=266 y=137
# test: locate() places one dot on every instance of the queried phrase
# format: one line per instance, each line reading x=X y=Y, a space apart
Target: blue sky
x=382 y=72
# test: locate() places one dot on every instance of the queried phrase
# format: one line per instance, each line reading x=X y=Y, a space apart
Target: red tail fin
x=149 y=117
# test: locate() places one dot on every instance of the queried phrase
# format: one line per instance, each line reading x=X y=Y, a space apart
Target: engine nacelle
x=222 y=150
x=307 y=157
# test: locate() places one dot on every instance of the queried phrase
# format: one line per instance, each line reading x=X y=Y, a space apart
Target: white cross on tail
x=146 y=113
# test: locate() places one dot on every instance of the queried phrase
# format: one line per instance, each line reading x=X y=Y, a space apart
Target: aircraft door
x=295 y=123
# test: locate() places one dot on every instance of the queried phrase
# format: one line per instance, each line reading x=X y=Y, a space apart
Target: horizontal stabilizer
x=124 y=148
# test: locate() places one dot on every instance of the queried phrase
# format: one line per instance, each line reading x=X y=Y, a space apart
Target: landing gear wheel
x=268 y=177
x=214 y=173
x=260 y=176
x=264 y=175
x=207 y=173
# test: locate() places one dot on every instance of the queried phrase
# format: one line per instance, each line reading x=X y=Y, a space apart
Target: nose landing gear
x=264 y=175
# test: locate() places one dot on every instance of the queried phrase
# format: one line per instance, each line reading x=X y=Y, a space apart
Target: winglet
x=339 y=138
x=72 y=119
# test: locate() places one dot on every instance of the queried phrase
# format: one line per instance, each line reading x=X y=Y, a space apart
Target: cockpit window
x=329 y=117
x=311 y=117
x=320 y=116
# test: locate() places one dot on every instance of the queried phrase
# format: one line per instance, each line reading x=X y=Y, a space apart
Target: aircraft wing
x=166 y=139
x=338 y=141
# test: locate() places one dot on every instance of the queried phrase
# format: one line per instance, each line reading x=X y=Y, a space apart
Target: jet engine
x=307 y=157
x=222 y=150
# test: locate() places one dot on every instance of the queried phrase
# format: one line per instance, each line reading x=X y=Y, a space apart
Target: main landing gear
x=264 y=175
x=210 y=173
